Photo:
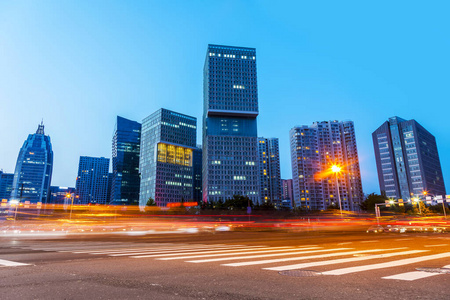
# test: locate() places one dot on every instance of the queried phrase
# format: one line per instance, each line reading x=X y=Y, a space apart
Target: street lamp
x=417 y=201
x=336 y=169
x=425 y=194
x=71 y=205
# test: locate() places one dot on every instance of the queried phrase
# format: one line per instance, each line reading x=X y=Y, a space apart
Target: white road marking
x=370 y=241
x=397 y=263
x=346 y=243
x=168 y=250
x=402 y=239
x=8 y=263
x=440 y=245
x=269 y=261
x=227 y=252
x=182 y=251
x=340 y=261
x=263 y=255
x=158 y=247
x=410 y=276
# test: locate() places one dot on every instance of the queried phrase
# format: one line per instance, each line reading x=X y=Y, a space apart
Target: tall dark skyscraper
x=269 y=171
x=125 y=162
x=407 y=160
x=197 y=164
x=6 y=184
x=168 y=140
x=230 y=156
x=34 y=168
x=314 y=149
x=92 y=180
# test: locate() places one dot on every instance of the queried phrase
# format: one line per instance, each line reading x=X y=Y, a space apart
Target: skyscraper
x=269 y=171
x=168 y=140
x=6 y=184
x=313 y=150
x=407 y=160
x=92 y=180
x=34 y=168
x=230 y=157
x=125 y=162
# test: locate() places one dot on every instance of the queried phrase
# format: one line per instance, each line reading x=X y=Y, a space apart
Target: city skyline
x=355 y=79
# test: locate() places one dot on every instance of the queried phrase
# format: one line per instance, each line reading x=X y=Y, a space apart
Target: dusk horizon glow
x=78 y=65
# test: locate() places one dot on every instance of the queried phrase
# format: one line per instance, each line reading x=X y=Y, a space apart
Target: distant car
x=375 y=229
x=395 y=228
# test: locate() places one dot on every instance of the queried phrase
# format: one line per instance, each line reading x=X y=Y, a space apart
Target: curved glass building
x=34 y=168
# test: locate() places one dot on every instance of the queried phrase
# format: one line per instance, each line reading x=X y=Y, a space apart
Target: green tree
x=371 y=200
x=238 y=202
x=151 y=202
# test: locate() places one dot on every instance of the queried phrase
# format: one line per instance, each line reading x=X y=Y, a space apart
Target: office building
x=168 y=140
x=230 y=155
x=6 y=184
x=407 y=160
x=269 y=171
x=34 y=167
x=92 y=180
x=125 y=162
x=314 y=149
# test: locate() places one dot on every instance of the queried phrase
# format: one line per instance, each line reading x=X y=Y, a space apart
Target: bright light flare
x=335 y=169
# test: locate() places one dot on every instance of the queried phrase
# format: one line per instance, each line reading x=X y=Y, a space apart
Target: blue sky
x=78 y=64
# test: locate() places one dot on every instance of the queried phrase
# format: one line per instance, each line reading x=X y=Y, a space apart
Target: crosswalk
x=341 y=260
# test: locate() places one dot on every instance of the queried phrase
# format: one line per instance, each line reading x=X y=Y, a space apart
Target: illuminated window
x=179 y=156
x=162 y=152
x=174 y=154
x=187 y=157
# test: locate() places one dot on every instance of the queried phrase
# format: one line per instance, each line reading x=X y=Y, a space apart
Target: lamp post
x=71 y=205
x=425 y=194
x=417 y=200
x=336 y=169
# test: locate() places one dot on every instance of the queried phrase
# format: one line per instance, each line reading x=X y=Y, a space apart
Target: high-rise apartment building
x=6 y=184
x=230 y=92
x=34 y=168
x=286 y=189
x=92 y=180
x=407 y=160
x=314 y=149
x=168 y=140
x=269 y=171
x=125 y=162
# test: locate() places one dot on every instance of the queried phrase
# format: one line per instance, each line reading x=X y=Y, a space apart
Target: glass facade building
x=314 y=149
x=92 y=180
x=34 y=168
x=407 y=160
x=6 y=184
x=269 y=171
x=168 y=140
x=230 y=155
x=125 y=162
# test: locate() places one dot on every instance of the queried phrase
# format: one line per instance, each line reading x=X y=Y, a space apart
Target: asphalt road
x=226 y=265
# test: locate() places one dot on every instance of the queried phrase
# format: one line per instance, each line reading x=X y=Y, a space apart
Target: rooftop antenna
x=40 y=129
